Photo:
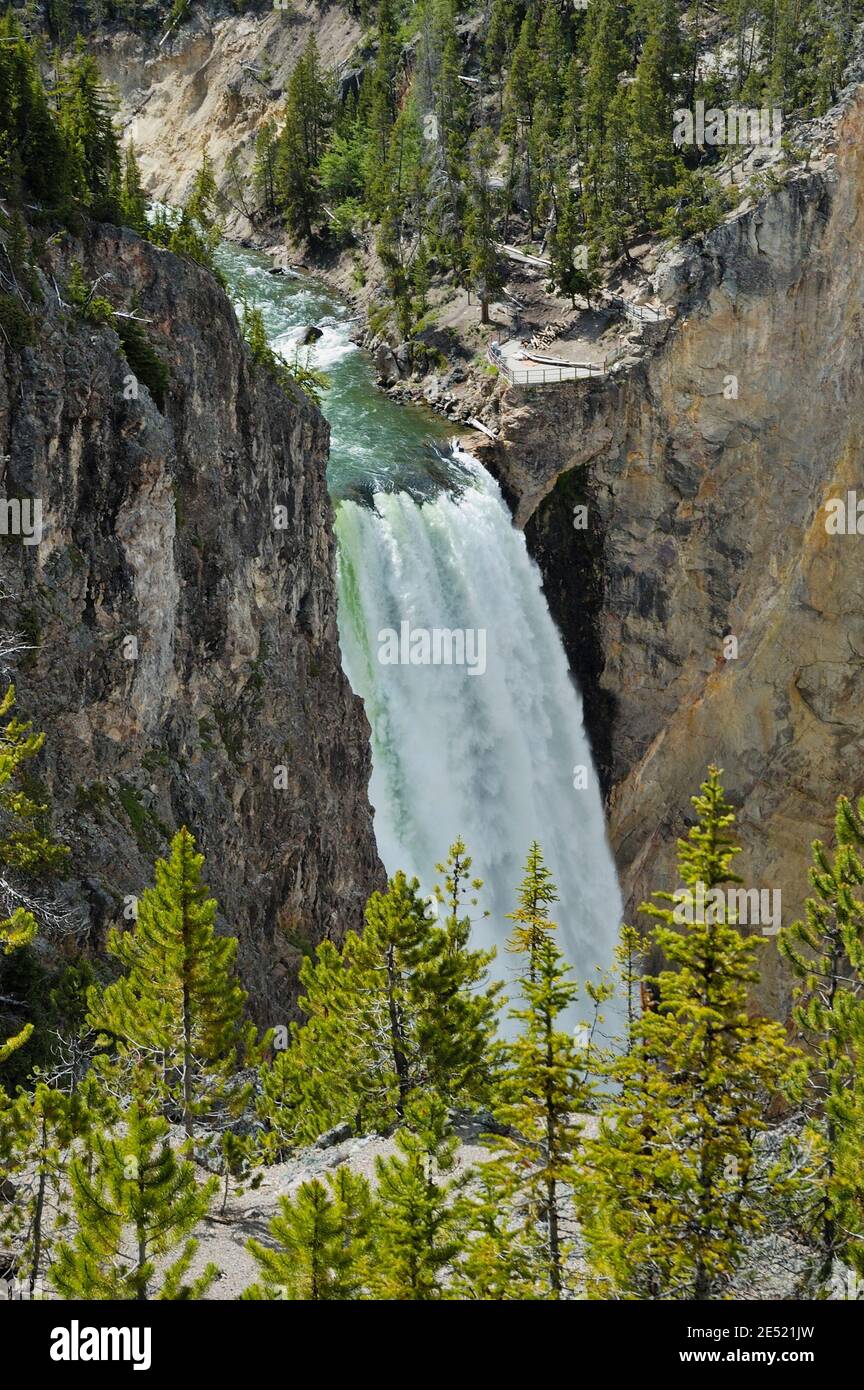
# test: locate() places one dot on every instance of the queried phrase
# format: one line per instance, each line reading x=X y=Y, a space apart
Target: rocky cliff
x=180 y=615
x=705 y=465
x=210 y=86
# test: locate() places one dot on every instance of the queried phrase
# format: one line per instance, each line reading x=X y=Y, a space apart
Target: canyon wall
x=228 y=712
x=705 y=466
x=210 y=86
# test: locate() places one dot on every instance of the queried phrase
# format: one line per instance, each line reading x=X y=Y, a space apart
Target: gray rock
x=337 y=1135
x=386 y=366
x=160 y=526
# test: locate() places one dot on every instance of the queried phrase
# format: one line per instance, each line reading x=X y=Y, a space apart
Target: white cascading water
x=490 y=756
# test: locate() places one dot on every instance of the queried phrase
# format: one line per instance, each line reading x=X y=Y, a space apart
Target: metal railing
x=641 y=313
x=543 y=375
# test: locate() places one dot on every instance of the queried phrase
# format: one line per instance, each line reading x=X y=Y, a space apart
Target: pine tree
x=202 y=206
x=484 y=264
x=453 y=124
x=548 y=79
x=322 y=1243
x=533 y=923
x=86 y=118
x=34 y=158
x=378 y=108
x=27 y=851
x=419 y=1218
x=545 y=1089
x=177 y=1011
x=301 y=142
x=672 y=1188
x=405 y=1007
x=607 y=58
x=572 y=272
x=320 y=1079
x=498 y=39
x=826 y=953
x=630 y=971
x=457 y=1009
x=264 y=169
x=829 y=74
x=37 y=1133
x=133 y=1203
x=612 y=177
x=652 y=153
x=518 y=122
x=133 y=204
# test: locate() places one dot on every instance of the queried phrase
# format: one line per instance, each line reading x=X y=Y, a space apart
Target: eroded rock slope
x=184 y=655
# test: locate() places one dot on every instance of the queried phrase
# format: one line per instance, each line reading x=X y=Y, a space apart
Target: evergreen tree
x=533 y=923
x=264 y=169
x=322 y=1243
x=517 y=126
x=672 y=1188
x=301 y=143
x=133 y=204
x=37 y=1133
x=456 y=1007
x=86 y=117
x=652 y=151
x=453 y=123
x=319 y=1080
x=484 y=265
x=607 y=58
x=177 y=1011
x=545 y=1089
x=27 y=851
x=146 y=364
x=405 y=1007
x=572 y=273
x=826 y=953
x=201 y=208
x=378 y=109
x=419 y=1218
x=196 y=231
x=613 y=177
x=498 y=39
x=630 y=971
x=34 y=158
x=133 y=1203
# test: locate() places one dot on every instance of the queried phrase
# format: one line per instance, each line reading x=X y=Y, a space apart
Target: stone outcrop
x=705 y=468
x=181 y=616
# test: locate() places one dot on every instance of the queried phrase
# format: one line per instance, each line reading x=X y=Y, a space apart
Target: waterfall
x=426 y=543
x=491 y=755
